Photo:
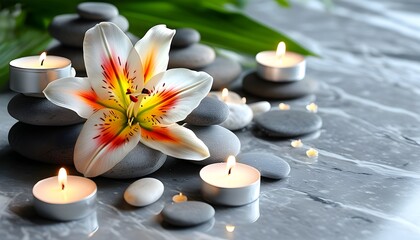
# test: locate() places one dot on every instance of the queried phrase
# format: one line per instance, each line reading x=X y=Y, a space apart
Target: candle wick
x=62 y=186
x=230 y=171
x=42 y=63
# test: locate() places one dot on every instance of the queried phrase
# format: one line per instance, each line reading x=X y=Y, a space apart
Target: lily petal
x=153 y=49
x=105 y=140
x=173 y=95
x=75 y=94
x=176 y=141
x=112 y=64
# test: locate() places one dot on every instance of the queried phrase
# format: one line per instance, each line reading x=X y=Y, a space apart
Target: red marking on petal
x=161 y=134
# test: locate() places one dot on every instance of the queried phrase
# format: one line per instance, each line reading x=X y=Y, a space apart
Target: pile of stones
x=187 y=52
x=69 y=30
x=204 y=122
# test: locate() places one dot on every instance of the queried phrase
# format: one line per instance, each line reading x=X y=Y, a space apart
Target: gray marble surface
x=365 y=184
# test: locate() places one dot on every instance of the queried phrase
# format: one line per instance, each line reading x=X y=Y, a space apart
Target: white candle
x=280 y=65
x=227 y=96
x=64 y=197
x=30 y=75
x=231 y=184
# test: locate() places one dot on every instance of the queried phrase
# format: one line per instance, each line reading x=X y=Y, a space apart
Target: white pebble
x=260 y=107
x=240 y=115
x=143 y=192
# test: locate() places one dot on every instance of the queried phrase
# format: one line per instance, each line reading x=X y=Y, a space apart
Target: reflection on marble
x=365 y=184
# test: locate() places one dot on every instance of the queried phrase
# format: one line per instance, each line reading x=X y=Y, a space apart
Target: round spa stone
x=275 y=90
x=193 y=57
x=185 y=37
x=221 y=143
x=269 y=165
x=143 y=192
x=139 y=162
x=211 y=111
x=240 y=115
x=46 y=144
x=73 y=53
x=97 y=11
x=224 y=71
x=70 y=30
x=290 y=123
x=40 y=111
x=186 y=214
x=259 y=107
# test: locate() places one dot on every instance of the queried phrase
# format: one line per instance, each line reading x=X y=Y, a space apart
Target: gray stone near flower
x=98 y=11
x=139 y=162
x=224 y=71
x=220 y=141
x=186 y=214
x=211 y=111
x=288 y=123
x=193 y=57
x=269 y=165
x=40 y=111
x=277 y=90
x=70 y=29
x=45 y=143
x=185 y=37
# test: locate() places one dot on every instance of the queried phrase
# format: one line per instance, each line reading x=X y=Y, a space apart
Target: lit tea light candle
x=179 y=198
x=230 y=183
x=64 y=197
x=312 y=153
x=30 y=75
x=312 y=107
x=280 y=65
x=296 y=143
x=284 y=106
x=227 y=96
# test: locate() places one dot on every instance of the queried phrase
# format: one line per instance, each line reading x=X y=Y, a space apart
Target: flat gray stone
x=185 y=37
x=70 y=30
x=211 y=111
x=133 y=38
x=274 y=90
x=75 y=55
x=40 y=111
x=193 y=57
x=45 y=144
x=221 y=143
x=288 y=123
x=269 y=165
x=99 y=11
x=186 y=214
x=141 y=161
x=224 y=71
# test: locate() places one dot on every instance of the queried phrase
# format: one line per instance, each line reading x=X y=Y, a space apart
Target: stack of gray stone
x=69 y=30
x=187 y=52
x=44 y=132
x=204 y=122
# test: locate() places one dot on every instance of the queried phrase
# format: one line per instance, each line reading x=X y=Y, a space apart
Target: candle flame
x=62 y=178
x=42 y=58
x=281 y=51
x=225 y=94
x=231 y=162
x=230 y=228
x=244 y=100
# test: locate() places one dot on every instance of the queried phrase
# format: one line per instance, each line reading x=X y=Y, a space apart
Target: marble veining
x=365 y=184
